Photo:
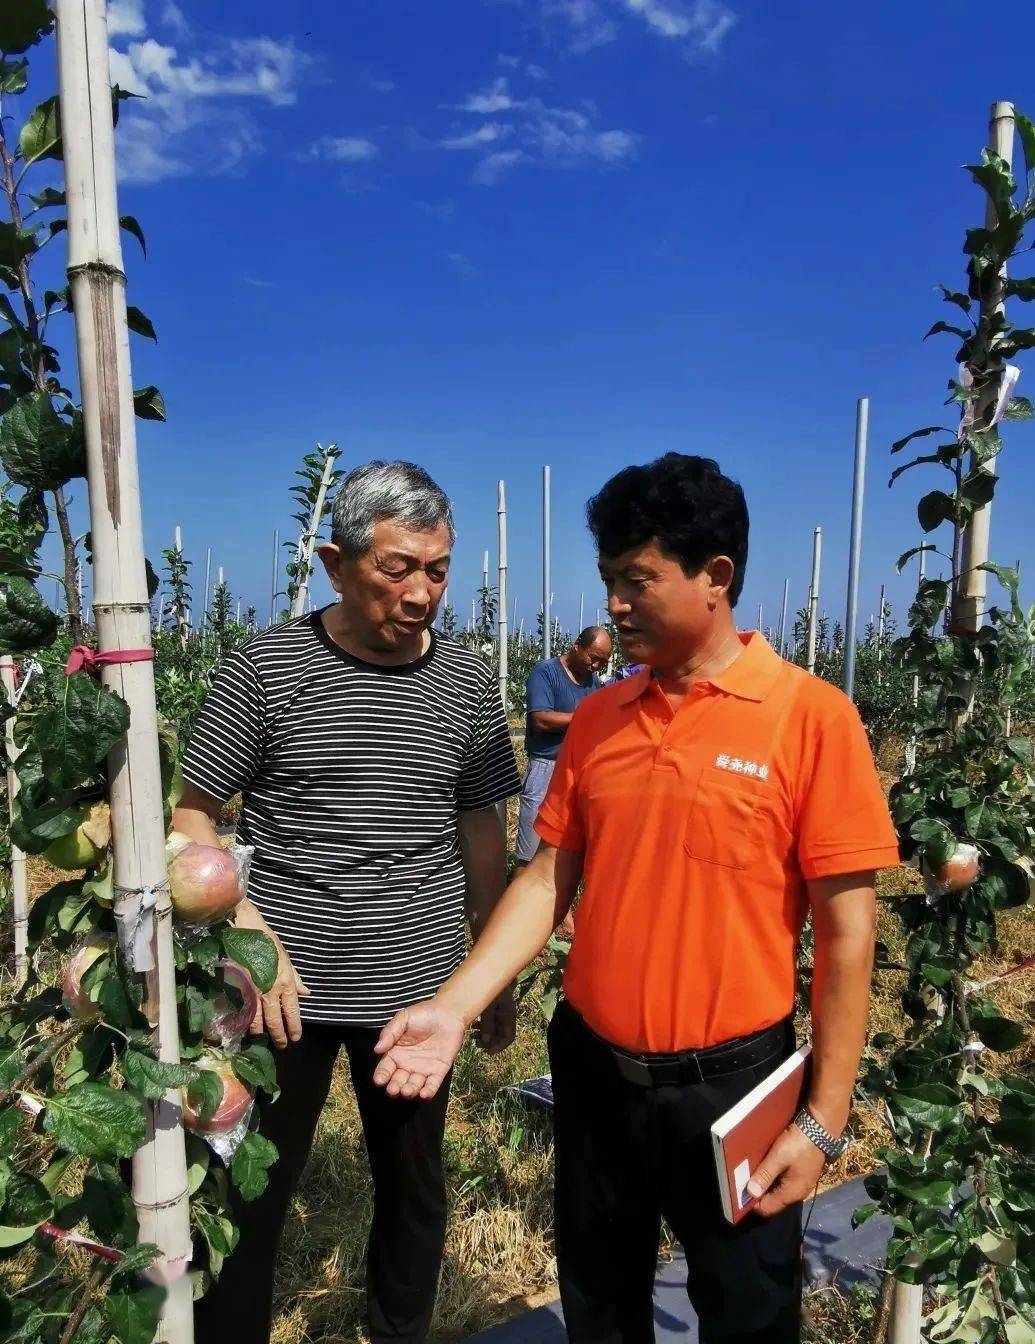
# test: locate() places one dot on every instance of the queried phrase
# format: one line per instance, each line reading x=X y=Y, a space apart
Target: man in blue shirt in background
x=554 y=690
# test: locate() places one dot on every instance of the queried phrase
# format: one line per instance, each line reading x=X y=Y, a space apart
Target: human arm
x=549 y=720
x=278 y=1011
x=420 y=1043
x=483 y=846
x=843 y=921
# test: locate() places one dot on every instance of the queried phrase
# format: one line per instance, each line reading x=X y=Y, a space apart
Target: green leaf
x=152 y=1077
x=997 y=1247
x=41 y=134
x=955 y=331
x=1018 y=408
x=928 y=1105
x=220 y=1236
x=1021 y=289
x=40 y=450
x=133 y=1313
x=251 y=1163
x=74 y=738
x=23 y=24
x=253 y=950
x=134 y=1260
x=14 y=76
x=205 y=1092
x=978 y=487
x=934 y=509
x=1026 y=134
x=131 y=225
x=999 y=1033
x=107 y=1205
x=26 y=622
x=90 y=1056
x=899 y=444
x=148 y=403
x=15 y=245
x=994 y=176
x=953 y=296
x=95 y=1121
x=27 y=1201
x=906 y=556
x=255 y=1066
x=142 y=325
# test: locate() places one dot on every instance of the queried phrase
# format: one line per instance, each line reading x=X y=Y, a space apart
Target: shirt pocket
x=725 y=822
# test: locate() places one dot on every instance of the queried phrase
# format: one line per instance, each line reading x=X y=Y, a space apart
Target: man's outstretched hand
x=417 y=1050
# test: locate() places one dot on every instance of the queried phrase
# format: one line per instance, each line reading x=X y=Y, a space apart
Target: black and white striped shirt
x=353 y=775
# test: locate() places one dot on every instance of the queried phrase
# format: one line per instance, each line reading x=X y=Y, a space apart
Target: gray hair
x=380 y=490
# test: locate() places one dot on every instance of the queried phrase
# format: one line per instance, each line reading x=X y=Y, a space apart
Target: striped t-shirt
x=353 y=775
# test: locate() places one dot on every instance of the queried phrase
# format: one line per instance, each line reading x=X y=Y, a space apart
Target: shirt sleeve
x=489 y=772
x=844 y=825
x=226 y=743
x=539 y=694
x=559 y=822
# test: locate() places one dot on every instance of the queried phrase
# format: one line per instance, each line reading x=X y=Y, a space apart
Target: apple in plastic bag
x=959 y=871
x=205 y=882
x=230 y=1023
x=73 y=995
x=233 y=1104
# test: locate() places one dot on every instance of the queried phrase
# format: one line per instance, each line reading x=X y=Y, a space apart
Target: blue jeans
x=533 y=791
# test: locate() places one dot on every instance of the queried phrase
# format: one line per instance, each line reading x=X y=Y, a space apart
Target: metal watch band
x=830 y=1147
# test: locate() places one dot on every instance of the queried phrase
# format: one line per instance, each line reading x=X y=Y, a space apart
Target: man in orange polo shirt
x=707 y=805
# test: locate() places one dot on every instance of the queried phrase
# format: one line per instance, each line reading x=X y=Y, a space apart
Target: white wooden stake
x=862 y=423
x=208 y=585
x=783 y=616
x=546 y=562
x=307 y=543
x=969 y=613
x=273 y=587
x=121 y=609
x=817 y=550
x=19 y=878
x=582 y=611
x=504 y=652
x=911 y=744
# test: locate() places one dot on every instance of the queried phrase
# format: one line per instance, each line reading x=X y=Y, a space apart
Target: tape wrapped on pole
x=136 y=921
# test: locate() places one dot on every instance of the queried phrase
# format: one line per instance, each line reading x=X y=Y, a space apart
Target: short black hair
x=685 y=504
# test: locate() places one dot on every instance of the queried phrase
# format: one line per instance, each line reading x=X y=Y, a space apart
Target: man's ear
x=331 y=557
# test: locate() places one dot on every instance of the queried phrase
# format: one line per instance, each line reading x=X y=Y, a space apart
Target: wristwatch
x=831 y=1148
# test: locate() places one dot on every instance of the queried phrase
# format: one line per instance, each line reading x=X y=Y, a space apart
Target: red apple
x=205 y=882
x=959 y=871
x=229 y=1022
x=74 y=997
x=233 y=1104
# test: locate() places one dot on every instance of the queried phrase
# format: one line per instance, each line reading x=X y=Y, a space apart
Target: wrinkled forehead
x=393 y=537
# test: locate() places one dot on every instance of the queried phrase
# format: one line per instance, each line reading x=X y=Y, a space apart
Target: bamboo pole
x=546 y=562
x=969 y=612
x=208 y=589
x=783 y=616
x=501 y=530
x=19 y=877
x=273 y=586
x=880 y=636
x=862 y=423
x=817 y=551
x=582 y=611
x=911 y=744
x=122 y=610
x=305 y=551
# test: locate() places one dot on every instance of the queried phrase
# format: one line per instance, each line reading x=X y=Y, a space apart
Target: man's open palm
x=418 y=1047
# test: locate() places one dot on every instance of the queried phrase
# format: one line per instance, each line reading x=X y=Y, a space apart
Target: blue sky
x=490 y=234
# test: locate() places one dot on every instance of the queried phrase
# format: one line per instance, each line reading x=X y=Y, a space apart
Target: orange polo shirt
x=699 y=829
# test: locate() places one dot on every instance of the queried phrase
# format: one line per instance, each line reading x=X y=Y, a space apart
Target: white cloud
x=698 y=25
x=344 y=149
x=484 y=135
x=495 y=98
x=193 y=120
x=463 y=263
x=126 y=18
x=174 y=18
x=382 y=85
x=559 y=137
x=492 y=168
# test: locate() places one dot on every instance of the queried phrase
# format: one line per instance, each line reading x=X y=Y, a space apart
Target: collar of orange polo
x=751 y=675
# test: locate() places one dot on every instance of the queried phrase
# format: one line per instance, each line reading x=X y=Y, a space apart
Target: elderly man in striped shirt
x=371 y=753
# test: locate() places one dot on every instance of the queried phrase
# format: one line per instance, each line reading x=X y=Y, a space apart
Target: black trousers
x=626 y=1156
x=404 y=1145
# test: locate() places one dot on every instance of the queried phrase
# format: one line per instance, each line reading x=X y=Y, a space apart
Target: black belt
x=696 y=1066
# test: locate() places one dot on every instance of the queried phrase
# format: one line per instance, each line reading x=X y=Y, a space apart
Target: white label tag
x=741 y=1176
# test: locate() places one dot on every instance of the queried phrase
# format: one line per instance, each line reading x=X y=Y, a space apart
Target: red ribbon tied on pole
x=81 y=657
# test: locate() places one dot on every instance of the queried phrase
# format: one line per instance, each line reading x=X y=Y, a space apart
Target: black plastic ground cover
x=835 y=1253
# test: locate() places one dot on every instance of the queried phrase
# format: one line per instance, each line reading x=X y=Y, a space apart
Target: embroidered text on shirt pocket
x=723 y=824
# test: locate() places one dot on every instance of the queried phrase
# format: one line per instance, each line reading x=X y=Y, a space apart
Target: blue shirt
x=551 y=689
